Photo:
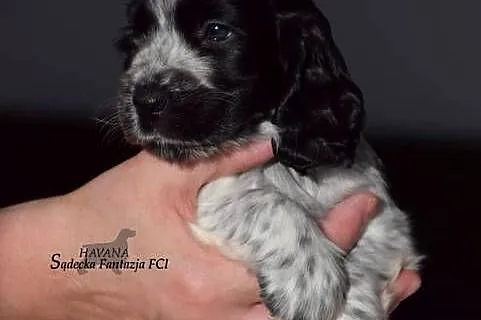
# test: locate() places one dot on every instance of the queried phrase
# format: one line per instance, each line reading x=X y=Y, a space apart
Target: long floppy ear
x=322 y=115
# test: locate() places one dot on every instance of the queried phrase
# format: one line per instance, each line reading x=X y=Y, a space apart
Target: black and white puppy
x=205 y=75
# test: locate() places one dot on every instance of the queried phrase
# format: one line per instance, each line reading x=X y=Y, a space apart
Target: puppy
x=202 y=76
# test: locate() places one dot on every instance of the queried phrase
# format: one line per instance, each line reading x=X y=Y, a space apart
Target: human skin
x=157 y=200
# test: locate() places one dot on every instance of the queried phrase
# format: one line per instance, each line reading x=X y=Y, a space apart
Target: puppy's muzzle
x=154 y=96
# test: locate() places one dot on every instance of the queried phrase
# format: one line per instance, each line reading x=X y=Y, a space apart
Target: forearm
x=29 y=235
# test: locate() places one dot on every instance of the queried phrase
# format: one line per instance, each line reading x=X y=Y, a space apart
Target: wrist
x=29 y=236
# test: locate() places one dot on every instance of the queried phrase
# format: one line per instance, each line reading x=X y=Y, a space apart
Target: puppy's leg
x=301 y=274
x=363 y=300
x=385 y=249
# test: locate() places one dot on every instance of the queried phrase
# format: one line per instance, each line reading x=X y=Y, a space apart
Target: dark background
x=418 y=62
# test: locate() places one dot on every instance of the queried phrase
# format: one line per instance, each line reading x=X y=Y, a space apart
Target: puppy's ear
x=321 y=116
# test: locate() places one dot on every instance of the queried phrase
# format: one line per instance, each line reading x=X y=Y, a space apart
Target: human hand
x=157 y=200
x=344 y=226
x=154 y=198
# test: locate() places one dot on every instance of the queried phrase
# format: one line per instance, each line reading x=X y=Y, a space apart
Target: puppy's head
x=204 y=74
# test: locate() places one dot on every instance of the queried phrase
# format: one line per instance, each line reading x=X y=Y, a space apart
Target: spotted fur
x=205 y=75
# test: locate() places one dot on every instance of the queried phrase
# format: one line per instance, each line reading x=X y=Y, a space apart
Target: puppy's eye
x=216 y=32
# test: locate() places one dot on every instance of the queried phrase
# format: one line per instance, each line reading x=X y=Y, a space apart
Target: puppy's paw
x=305 y=287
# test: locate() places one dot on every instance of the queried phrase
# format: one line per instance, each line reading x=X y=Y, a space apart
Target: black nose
x=166 y=87
x=148 y=97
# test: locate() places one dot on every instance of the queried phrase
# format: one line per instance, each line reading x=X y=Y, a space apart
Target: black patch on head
x=250 y=58
x=244 y=74
x=279 y=64
x=141 y=21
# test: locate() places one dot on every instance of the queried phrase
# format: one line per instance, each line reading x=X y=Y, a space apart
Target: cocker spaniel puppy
x=202 y=76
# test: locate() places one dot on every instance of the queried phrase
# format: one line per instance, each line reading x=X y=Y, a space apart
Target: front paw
x=309 y=288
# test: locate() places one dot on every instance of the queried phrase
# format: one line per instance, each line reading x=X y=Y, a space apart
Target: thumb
x=345 y=224
x=235 y=161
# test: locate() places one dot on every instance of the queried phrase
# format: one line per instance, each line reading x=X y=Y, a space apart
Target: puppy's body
x=202 y=76
x=269 y=217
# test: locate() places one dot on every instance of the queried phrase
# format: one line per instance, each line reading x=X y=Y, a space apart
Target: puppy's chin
x=188 y=152
x=183 y=152
x=179 y=152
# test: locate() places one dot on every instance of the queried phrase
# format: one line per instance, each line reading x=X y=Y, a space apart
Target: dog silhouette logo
x=110 y=255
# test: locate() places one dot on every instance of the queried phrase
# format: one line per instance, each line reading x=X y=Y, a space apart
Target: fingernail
x=263 y=146
x=371 y=202
x=364 y=201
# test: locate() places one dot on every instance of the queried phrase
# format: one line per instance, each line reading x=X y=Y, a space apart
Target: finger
x=345 y=223
x=239 y=160
x=406 y=285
